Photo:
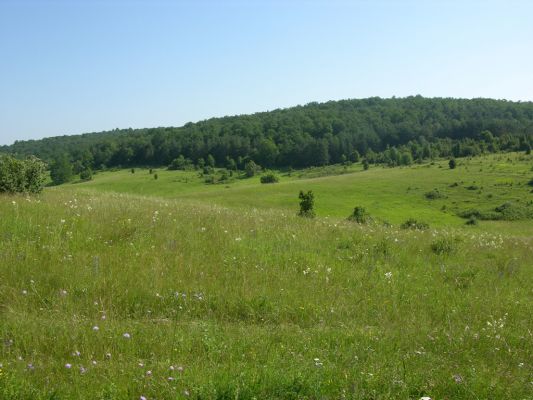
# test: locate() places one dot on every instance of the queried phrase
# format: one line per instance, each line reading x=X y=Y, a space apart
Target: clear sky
x=74 y=66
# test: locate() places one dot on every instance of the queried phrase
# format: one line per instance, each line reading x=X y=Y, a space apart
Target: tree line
x=395 y=131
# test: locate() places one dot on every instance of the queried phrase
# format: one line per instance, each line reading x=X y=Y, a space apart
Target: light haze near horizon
x=70 y=67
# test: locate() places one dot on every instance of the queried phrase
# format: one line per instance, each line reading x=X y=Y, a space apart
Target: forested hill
x=314 y=134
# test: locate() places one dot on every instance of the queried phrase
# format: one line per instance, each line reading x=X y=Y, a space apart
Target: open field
x=388 y=194
x=207 y=292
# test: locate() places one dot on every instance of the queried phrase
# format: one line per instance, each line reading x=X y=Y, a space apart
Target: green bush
x=21 y=176
x=412 y=223
x=269 y=178
x=434 y=195
x=307 y=204
x=445 y=245
x=86 y=174
x=359 y=215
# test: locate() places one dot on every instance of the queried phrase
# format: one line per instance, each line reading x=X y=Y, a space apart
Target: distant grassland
x=205 y=292
x=388 y=194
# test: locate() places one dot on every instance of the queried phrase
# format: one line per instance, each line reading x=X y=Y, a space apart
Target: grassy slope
x=390 y=194
x=265 y=294
x=246 y=299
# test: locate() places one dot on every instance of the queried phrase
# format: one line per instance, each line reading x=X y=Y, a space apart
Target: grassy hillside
x=214 y=292
x=388 y=194
x=118 y=296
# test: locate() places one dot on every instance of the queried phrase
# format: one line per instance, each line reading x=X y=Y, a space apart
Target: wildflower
x=108 y=355
x=180 y=369
x=24 y=292
x=96 y=328
x=170 y=379
x=126 y=335
x=185 y=392
x=458 y=378
x=148 y=373
x=171 y=368
x=93 y=362
x=388 y=275
x=318 y=363
x=68 y=366
x=82 y=369
x=238 y=239
x=30 y=367
x=142 y=398
x=63 y=292
x=76 y=353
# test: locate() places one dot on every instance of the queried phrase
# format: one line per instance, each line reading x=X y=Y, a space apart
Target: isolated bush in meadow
x=445 y=245
x=452 y=163
x=86 y=174
x=251 y=168
x=269 y=178
x=359 y=215
x=366 y=165
x=434 y=195
x=307 y=204
x=530 y=183
x=21 y=176
x=156 y=177
x=412 y=223
x=132 y=170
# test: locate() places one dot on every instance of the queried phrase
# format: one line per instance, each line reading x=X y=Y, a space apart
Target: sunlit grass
x=230 y=302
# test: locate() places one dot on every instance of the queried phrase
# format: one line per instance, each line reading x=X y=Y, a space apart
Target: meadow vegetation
x=128 y=287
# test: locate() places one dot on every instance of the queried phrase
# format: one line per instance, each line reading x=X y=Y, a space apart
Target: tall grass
x=106 y=296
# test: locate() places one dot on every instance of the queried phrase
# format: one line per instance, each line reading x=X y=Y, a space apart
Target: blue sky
x=69 y=67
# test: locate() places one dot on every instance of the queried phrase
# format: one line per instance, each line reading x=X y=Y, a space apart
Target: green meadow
x=130 y=287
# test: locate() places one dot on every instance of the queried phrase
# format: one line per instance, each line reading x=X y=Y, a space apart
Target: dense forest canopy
x=395 y=130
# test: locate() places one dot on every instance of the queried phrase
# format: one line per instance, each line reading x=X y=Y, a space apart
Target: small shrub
x=359 y=215
x=472 y=221
x=412 y=223
x=366 y=165
x=452 y=163
x=434 y=195
x=86 y=174
x=156 y=177
x=445 y=245
x=530 y=183
x=269 y=178
x=307 y=204
x=132 y=170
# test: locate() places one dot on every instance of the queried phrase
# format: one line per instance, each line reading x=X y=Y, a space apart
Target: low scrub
x=269 y=178
x=412 y=223
x=434 y=195
x=510 y=211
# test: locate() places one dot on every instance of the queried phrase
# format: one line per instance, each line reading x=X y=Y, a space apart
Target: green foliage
x=156 y=177
x=86 y=174
x=365 y=164
x=452 y=163
x=61 y=170
x=445 y=245
x=509 y=211
x=412 y=223
x=530 y=183
x=383 y=131
x=180 y=163
x=269 y=178
x=359 y=215
x=307 y=204
x=251 y=168
x=434 y=195
x=21 y=176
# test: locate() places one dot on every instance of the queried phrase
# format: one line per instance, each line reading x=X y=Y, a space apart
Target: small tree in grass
x=269 y=178
x=307 y=204
x=452 y=163
x=366 y=165
x=156 y=177
x=359 y=215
